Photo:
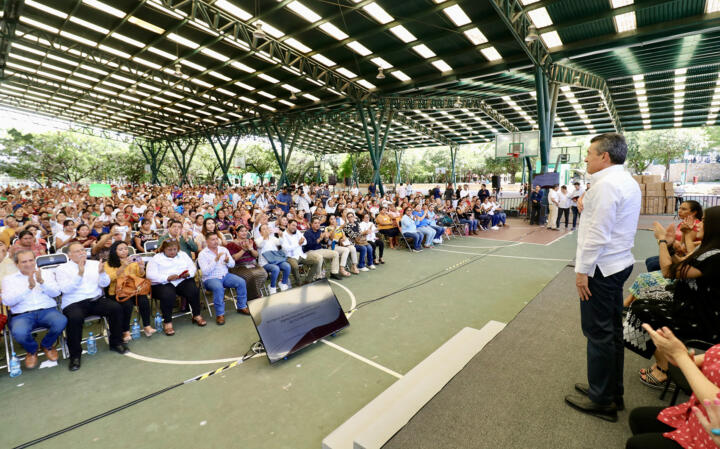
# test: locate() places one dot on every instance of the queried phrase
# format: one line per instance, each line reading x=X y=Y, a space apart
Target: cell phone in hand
x=184 y=273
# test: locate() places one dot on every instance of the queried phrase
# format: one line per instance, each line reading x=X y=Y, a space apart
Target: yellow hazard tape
x=217 y=371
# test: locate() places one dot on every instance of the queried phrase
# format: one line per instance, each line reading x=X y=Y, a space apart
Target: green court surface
x=297 y=402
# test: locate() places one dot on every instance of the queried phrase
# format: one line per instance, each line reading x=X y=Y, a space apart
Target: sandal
x=168 y=329
x=653 y=382
x=199 y=320
x=381 y=260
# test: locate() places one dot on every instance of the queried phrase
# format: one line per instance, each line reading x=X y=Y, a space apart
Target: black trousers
x=536 y=214
x=166 y=294
x=647 y=430
x=563 y=211
x=601 y=320
x=76 y=314
x=378 y=248
x=143 y=306
x=576 y=214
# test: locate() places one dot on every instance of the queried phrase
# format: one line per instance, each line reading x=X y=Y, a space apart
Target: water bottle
x=91 y=345
x=158 y=322
x=135 y=330
x=15 y=370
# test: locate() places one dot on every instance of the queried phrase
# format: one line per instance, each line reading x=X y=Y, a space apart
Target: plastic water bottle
x=135 y=330
x=158 y=322
x=91 y=344
x=15 y=370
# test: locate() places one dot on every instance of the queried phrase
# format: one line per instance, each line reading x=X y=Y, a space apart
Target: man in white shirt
x=214 y=262
x=564 y=204
x=402 y=191
x=291 y=242
x=81 y=282
x=30 y=297
x=603 y=262
x=574 y=198
x=554 y=204
x=303 y=202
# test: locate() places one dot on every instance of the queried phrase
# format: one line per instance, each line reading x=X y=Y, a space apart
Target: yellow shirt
x=6 y=235
x=133 y=269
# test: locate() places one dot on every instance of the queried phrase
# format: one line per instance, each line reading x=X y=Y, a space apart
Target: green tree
x=637 y=160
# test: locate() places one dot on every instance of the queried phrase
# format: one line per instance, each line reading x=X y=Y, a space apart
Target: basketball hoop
x=515 y=155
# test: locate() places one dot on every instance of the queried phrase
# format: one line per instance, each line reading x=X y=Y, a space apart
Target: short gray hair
x=20 y=252
x=613 y=144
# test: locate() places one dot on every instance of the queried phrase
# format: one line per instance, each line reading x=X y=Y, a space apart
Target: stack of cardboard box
x=657 y=197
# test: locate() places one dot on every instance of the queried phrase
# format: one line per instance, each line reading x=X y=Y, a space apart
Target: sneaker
x=494 y=228
x=372 y=267
x=437 y=241
x=284 y=287
x=272 y=290
x=416 y=250
x=364 y=269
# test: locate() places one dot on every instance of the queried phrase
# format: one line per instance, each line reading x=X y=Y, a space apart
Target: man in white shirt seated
x=214 y=262
x=292 y=242
x=29 y=295
x=81 y=282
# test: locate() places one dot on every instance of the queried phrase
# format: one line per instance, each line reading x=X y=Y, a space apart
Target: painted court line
x=363 y=359
x=501 y=255
x=483 y=247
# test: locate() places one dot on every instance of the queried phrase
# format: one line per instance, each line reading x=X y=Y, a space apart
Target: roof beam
x=12 y=9
x=448 y=103
x=517 y=22
x=562 y=74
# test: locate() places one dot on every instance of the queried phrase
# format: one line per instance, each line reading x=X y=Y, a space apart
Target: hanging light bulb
x=532 y=34
x=292 y=96
x=259 y=34
x=457 y=103
x=576 y=80
x=133 y=90
x=380 y=74
x=178 y=69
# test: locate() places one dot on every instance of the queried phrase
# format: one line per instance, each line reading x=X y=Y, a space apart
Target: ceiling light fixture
x=380 y=74
x=457 y=103
x=178 y=69
x=532 y=34
x=576 y=80
x=293 y=96
x=259 y=34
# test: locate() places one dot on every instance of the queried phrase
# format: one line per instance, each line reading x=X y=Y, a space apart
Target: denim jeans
x=218 y=286
x=22 y=325
x=364 y=251
x=274 y=271
x=439 y=231
x=473 y=224
x=417 y=238
x=429 y=234
x=498 y=217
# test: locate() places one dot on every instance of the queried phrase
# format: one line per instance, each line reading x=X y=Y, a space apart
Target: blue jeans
x=22 y=325
x=417 y=238
x=498 y=217
x=274 y=271
x=218 y=286
x=439 y=231
x=364 y=251
x=473 y=224
x=429 y=234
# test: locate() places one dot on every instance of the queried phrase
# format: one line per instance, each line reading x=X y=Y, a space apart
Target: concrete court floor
x=294 y=403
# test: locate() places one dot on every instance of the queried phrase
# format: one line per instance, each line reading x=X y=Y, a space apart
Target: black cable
x=117 y=409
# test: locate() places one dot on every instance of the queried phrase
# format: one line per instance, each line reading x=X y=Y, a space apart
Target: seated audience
x=377 y=244
x=184 y=237
x=316 y=241
x=81 y=282
x=693 y=312
x=215 y=262
x=26 y=241
x=243 y=251
x=292 y=242
x=172 y=274
x=269 y=245
x=30 y=293
x=120 y=264
x=409 y=230
x=359 y=239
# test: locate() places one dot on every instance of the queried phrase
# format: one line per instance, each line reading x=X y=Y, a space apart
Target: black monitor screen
x=291 y=320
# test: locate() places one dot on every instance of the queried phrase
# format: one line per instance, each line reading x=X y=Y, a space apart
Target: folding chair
x=131 y=250
x=10 y=346
x=406 y=240
x=205 y=292
x=151 y=245
x=675 y=375
x=457 y=226
x=227 y=236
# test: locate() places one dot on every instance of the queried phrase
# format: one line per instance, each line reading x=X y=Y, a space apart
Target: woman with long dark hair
x=119 y=264
x=694 y=311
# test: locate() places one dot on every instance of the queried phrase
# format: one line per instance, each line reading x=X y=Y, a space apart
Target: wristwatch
x=662 y=241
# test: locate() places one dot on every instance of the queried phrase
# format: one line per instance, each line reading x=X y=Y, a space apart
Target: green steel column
x=376 y=146
x=544 y=119
x=183 y=156
x=398 y=159
x=282 y=157
x=154 y=153
x=226 y=159
x=353 y=160
x=453 y=157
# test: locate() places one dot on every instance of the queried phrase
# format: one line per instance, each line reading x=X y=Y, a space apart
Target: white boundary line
x=484 y=247
x=501 y=255
x=353 y=300
x=363 y=359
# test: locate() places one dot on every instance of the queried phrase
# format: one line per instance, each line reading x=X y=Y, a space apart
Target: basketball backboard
x=574 y=154
x=525 y=143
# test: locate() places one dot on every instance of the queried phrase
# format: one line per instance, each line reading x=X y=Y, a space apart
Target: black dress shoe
x=336 y=276
x=585 y=389
x=120 y=349
x=74 y=364
x=586 y=405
